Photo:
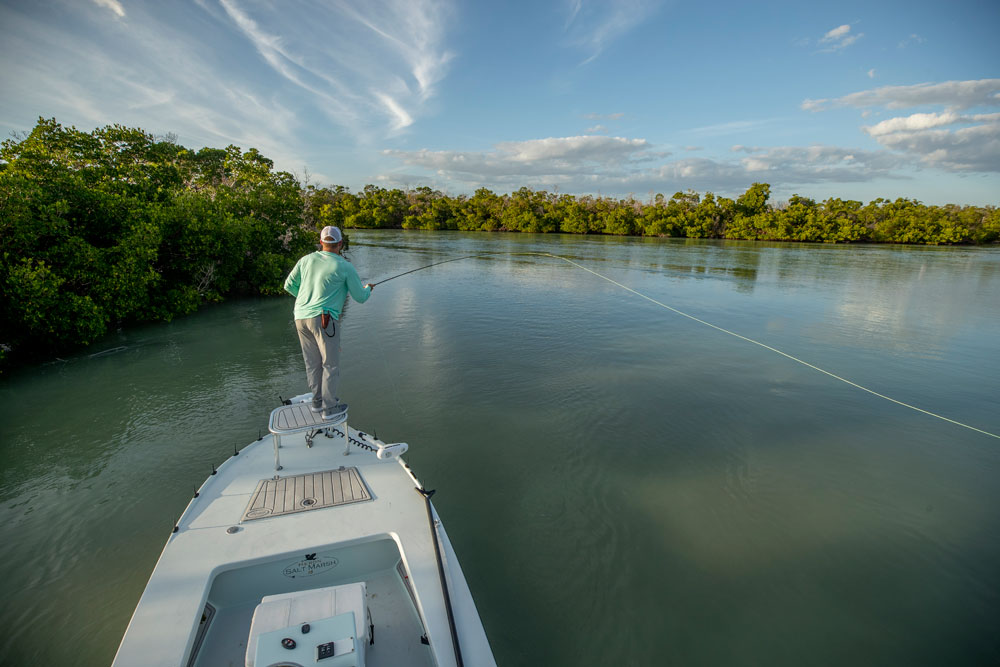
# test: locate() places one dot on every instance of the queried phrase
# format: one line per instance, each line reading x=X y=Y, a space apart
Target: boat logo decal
x=309 y=565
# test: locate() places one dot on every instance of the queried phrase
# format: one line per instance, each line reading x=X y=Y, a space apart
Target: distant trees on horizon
x=686 y=214
x=102 y=228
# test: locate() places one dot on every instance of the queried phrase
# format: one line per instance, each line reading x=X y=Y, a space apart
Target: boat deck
x=217 y=556
x=307 y=492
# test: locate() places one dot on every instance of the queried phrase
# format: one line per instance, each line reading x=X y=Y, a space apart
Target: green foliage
x=620 y=220
x=987 y=226
x=754 y=200
x=688 y=214
x=112 y=226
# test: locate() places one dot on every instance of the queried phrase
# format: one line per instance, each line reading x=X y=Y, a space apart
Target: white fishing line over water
x=773 y=349
x=713 y=326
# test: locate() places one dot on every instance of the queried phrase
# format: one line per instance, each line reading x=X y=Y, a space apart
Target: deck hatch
x=301 y=493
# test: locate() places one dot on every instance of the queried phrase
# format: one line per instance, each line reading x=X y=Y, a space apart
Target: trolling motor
x=383 y=451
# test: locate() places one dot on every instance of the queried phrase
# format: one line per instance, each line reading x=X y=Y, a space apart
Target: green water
x=623 y=485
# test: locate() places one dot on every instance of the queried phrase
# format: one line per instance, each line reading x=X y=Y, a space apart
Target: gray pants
x=321 y=352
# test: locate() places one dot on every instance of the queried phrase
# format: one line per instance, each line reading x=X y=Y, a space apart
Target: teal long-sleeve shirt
x=320 y=283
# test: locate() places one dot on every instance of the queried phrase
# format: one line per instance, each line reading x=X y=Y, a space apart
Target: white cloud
x=167 y=84
x=604 y=116
x=945 y=139
x=871 y=73
x=617 y=164
x=818 y=163
x=924 y=121
x=836 y=34
x=403 y=119
x=113 y=5
x=838 y=38
x=413 y=29
x=596 y=128
x=379 y=60
x=952 y=94
x=554 y=157
x=229 y=71
x=269 y=46
x=600 y=149
x=592 y=25
x=927 y=137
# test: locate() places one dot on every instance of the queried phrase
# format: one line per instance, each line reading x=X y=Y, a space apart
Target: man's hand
x=370 y=286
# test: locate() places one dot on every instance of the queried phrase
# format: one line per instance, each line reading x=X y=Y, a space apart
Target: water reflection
x=598 y=456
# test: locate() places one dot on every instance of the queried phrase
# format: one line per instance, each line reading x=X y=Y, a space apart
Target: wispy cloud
x=269 y=46
x=402 y=117
x=912 y=40
x=871 y=73
x=835 y=35
x=113 y=5
x=157 y=78
x=732 y=127
x=592 y=25
x=838 y=38
x=956 y=95
x=413 y=29
x=380 y=59
x=596 y=128
x=604 y=116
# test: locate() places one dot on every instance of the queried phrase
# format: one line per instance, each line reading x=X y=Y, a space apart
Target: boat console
x=323 y=627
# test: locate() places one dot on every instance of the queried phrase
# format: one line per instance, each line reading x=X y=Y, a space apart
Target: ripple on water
x=623 y=485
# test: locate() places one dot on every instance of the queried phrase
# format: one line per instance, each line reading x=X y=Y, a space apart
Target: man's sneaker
x=336 y=411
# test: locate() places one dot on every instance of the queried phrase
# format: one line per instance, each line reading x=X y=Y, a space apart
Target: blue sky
x=848 y=99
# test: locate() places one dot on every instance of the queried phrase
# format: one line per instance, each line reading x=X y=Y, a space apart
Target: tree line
x=750 y=216
x=103 y=228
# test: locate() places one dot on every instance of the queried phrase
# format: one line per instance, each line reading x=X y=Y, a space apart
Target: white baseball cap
x=331 y=235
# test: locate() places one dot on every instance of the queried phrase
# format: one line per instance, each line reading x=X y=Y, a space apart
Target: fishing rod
x=426 y=267
x=478 y=254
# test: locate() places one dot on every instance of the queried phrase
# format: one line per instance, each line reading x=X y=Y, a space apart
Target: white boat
x=314 y=546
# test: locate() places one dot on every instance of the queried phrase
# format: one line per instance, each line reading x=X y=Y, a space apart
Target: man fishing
x=320 y=283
